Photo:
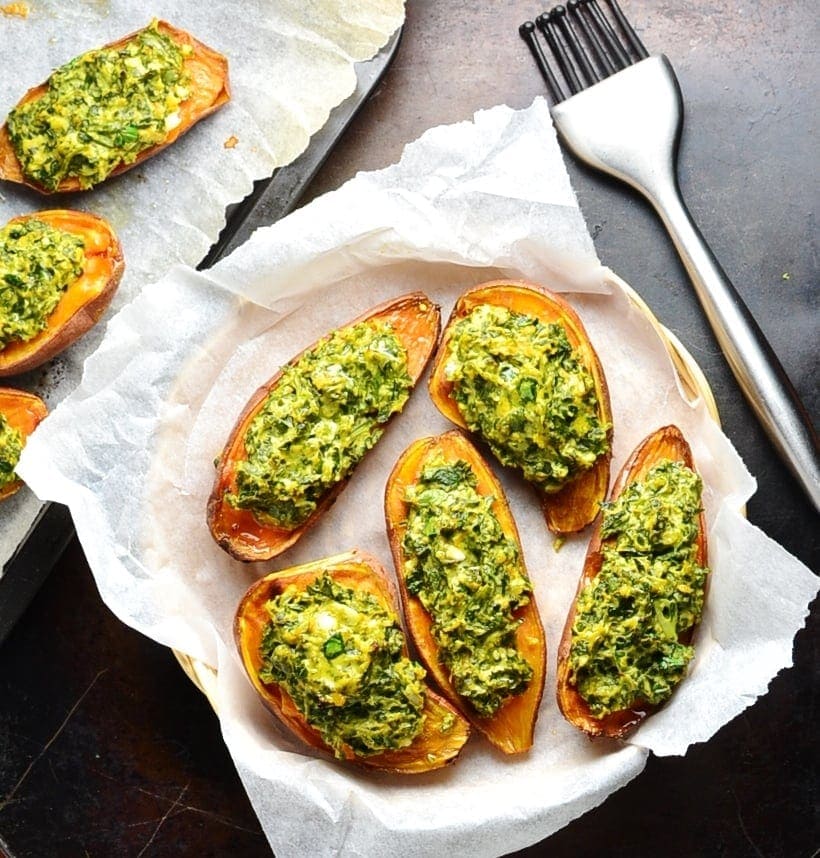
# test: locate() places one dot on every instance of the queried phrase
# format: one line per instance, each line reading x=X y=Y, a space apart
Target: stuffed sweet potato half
x=627 y=642
x=20 y=413
x=110 y=109
x=302 y=433
x=59 y=270
x=323 y=646
x=468 y=602
x=516 y=367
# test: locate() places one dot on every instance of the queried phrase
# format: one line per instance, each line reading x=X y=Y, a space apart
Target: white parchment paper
x=131 y=453
x=290 y=63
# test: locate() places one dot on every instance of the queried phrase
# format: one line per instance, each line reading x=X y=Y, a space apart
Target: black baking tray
x=270 y=200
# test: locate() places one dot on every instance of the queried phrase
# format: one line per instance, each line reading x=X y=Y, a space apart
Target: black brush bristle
x=584 y=44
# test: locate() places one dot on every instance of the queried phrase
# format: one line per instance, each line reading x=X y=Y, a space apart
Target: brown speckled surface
x=107 y=750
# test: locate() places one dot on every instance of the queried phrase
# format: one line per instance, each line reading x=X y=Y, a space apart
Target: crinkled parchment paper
x=290 y=63
x=131 y=453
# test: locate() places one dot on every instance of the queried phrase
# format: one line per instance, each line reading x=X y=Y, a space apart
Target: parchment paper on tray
x=290 y=64
x=131 y=453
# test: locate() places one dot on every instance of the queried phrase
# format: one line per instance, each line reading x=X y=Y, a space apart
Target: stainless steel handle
x=629 y=126
x=754 y=364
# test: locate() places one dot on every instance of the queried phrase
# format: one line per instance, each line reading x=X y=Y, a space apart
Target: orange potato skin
x=665 y=443
x=576 y=504
x=511 y=728
x=24 y=411
x=432 y=748
x=83 y=302
x=210 y=89
x=416 y=321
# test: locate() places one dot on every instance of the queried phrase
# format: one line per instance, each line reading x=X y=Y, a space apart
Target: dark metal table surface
x=106 y=749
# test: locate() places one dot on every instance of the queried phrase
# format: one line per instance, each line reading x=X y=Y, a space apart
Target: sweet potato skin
x=576 y=504
x=416 y=321
x=24 y=411
x=83 y=302
x=210 y=90
x=512 y=727
x=432 y=749
x=665 y=443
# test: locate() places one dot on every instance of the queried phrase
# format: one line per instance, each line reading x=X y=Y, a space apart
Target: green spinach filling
x=326 y=411
x=338 y=654
x=469 y=576
x=101 y=109
x=518 y=383
x=648 y=593
x=37 y=265
x=11 y=445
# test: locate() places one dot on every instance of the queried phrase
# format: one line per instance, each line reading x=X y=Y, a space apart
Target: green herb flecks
x=326 y=411
x=11 y=445
x=338 y=654
x=648 y=593
x=518 y=383
x=37 y=264
x=100 y=110
x=470 y=578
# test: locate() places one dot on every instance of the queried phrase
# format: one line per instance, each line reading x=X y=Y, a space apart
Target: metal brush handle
x=629 y=126
x=750 y=357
